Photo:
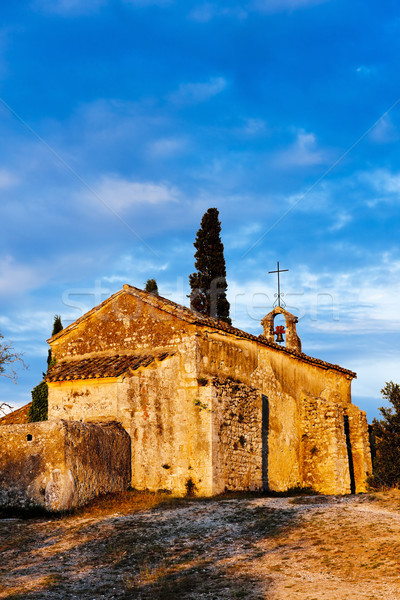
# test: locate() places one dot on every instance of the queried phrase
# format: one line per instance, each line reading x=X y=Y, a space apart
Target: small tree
x=40 y=394
x=386 y=436
x=39 y=406
x=9 y=360
x=151 y=287
x=208 y=283
x=57 y=327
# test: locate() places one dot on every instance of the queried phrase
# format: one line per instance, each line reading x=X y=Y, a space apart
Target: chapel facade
x=209 y=407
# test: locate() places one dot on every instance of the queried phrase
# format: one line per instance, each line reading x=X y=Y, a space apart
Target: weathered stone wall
x=160 y=406
x=360 y=448
x=285 y=381
x=256 y=365
x=122 y=326
x=169 y=420
x=84 y=400
x=325 y=459
x=62 y=464
x=239 y=436
x=170 y=417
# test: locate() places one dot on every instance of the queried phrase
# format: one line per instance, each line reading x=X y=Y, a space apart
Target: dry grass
x=389 y=499
x=148 y=546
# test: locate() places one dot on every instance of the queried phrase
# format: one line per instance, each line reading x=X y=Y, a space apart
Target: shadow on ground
x=188 y=549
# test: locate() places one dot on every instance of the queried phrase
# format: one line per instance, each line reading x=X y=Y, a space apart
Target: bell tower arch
x=293 y=341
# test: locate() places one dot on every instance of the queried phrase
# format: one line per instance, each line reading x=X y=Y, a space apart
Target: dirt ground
x=141 y=546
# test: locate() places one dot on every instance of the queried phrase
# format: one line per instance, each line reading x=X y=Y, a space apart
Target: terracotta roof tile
x=101 y=366
x=17 y=417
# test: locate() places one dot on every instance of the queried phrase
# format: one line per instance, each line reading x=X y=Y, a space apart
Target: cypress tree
x=57 y=327
x=208 y=284
x=40 y=393
x=151 y=287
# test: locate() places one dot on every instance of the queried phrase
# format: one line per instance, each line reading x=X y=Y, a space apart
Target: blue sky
x=122 y=122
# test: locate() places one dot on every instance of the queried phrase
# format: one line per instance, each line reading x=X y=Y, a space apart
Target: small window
x=29 y=437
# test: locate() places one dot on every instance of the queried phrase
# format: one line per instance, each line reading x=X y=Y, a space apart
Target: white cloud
x=7 y=179
x=69 y=7
x=88 y=7
x=17 y=278
x=385 y=183
x=317 y=200
x=167 y=147
x=341 y=220
x=303 y=152
x=243 y=237
x=149 y=2
x=372 y=372
x=273 y=6
x=207 y=11
x=366 y=70
x=122 y=194
x=129 y=268
x=362 y=301
x=252 y=127
x=28 y=325
x=193 y=93
x=384 y=132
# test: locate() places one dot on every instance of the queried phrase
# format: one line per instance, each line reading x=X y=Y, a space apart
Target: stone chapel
x=206 y=407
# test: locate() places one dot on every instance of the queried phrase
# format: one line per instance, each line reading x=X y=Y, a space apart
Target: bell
x=279 y=333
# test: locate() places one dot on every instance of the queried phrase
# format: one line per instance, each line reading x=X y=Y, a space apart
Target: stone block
x=62 y=464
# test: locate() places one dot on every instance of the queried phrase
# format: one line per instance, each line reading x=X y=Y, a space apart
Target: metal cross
x=278 y=297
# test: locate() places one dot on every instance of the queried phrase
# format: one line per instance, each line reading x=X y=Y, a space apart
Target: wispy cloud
x=69 y=7
x=167 y=147
x=303 y=152
x=123 y=194
x=366 y=70
x=341 y=220
x=384 y=132
x=384 y=183
x=28 y=325
x=87 y=7
x=251 y=128
x=128 y=268
x=17 y=278
x=7 y=179
x=273 y=6
x=209 y=10
x=194 y=93
x=243 y=236
x=149 y=2
x=325 y=299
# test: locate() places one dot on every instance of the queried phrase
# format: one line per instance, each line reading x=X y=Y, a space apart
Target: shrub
x=386 y=437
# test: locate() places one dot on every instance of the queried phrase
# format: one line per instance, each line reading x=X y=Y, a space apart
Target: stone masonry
x=62 y=464
x=208 y=407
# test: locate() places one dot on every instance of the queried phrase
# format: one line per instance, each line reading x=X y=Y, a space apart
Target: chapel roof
x=101 y=366
x=17 y=417
x=190 y=316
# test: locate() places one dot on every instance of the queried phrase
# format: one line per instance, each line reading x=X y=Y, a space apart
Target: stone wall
x=295 y=405
x=286 y=381
x=325 y=459
x=169 y=419
x=123 y=325
x=62 y=464
x=257 y=365
x=240 y=436
x=360 y=448
x=161 y=406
